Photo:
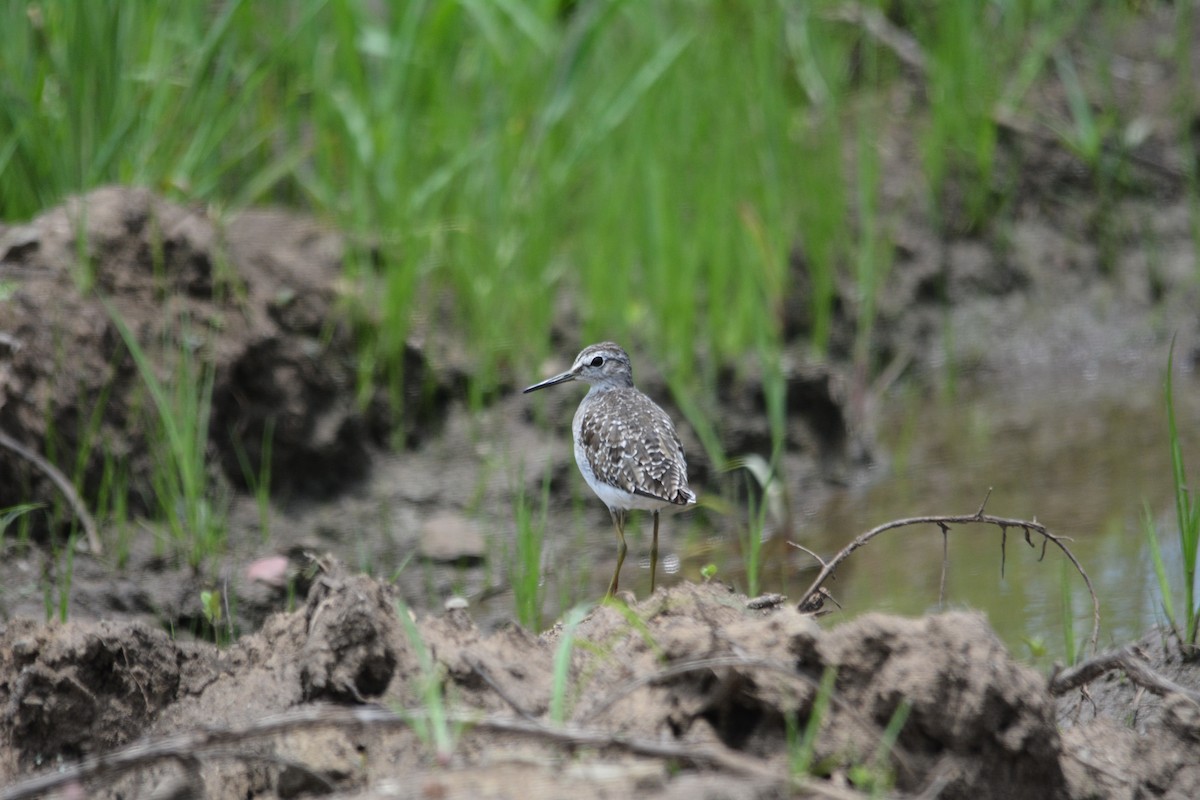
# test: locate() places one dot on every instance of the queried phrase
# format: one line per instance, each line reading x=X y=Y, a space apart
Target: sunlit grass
x=647 y=160
x=656 y=162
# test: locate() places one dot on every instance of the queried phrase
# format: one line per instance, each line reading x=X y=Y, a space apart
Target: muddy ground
x=693 y=701
x=690 y=692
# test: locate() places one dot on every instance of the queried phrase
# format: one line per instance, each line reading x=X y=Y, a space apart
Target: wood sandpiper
x=625 y=445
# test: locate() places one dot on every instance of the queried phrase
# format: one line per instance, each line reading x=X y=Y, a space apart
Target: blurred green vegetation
x=649 y=166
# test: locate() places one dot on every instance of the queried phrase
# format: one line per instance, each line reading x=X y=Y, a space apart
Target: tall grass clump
x=667 y=174
x=575 y=173
x=818 y=55
x=964 y=85
x=482 y=157
x=174 y=96
x=525 y=569
x=1187 y=516
x=183 y=492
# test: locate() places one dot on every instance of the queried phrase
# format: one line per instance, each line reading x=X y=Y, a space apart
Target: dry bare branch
x=820 y=560
x=810 y=598
x=485 y=674
x=52 y=472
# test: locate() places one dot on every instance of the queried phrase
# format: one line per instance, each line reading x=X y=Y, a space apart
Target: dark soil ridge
x=701 y=672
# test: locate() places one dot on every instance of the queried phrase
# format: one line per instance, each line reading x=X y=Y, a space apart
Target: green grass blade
x=1187 y=514
x=1068 y=612
x=436 y=725
x=801 y=751
x=1160 y=568
x=562 y=663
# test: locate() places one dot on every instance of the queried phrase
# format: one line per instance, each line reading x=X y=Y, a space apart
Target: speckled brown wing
x=631 y=444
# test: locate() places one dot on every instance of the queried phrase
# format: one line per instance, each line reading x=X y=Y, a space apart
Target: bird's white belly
x=613 y=497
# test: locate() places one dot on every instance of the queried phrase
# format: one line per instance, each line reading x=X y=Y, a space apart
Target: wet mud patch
x=690 y=692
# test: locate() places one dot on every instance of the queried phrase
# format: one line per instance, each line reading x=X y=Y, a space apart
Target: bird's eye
x=597 y=361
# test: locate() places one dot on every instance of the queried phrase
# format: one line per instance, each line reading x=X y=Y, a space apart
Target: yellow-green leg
x=618 y=518
x=654 y=553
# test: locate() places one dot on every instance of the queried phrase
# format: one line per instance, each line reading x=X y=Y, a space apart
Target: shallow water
x=1082 y=459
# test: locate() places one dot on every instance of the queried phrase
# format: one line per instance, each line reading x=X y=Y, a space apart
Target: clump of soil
x=688 y=692
x=257 y=296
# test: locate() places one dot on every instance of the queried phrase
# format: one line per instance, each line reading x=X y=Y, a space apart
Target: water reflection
x=1083 y=464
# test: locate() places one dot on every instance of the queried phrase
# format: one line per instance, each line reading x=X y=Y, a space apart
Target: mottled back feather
x=631 y=443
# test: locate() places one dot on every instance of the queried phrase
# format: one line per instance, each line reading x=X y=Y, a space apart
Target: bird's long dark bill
x=557 y=379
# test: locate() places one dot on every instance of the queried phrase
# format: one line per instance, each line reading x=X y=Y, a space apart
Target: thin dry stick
x=219 y=741
x=52 y=472
x=1004 y=523
x=820 y=560
x=485 y=674
x=1128 y=661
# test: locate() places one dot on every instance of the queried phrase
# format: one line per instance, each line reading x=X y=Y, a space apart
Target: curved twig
x=743 y=662
x=943 y=522
x=54 y=474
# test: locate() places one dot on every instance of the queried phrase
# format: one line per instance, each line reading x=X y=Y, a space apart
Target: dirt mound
x=256 y=294
x=690 y=677
x=79 y=688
